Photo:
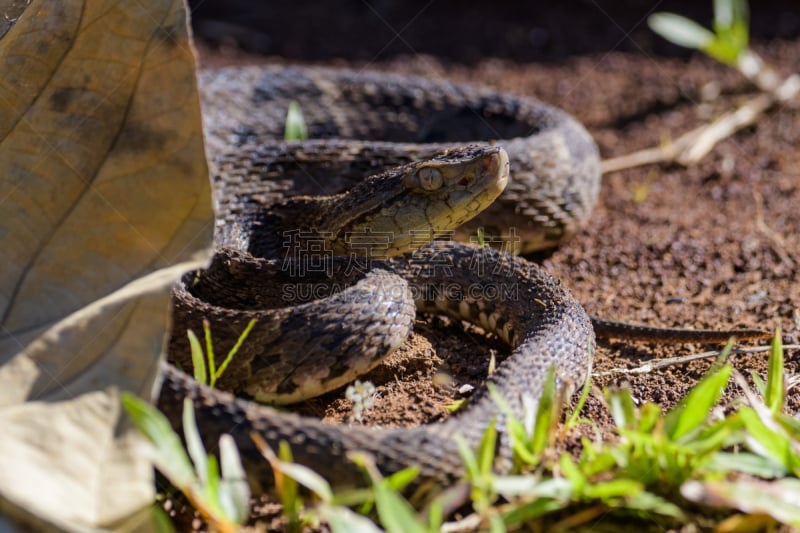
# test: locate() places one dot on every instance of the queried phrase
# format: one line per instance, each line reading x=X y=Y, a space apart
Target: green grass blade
x=194 y=443
x=435 y=514
x=234 y=350
x=395 y=513
x=745 y=463
x=529 y=485
x=573 y=474
x=496 y=524
x=402 y=478
x=519 y=436
x=727 y=12
x=287 y=488
x=767 y=443
x=210 y=490
x=159 y=520
x=468 y=456
x=789 y=424
x=680 y=30
x=731 y=24
x=343 y=520
x=597 y=459
x=309 y=479
x=295 y=129
x=212 y=362
x=713 y=438
x=527 y=512
x=649 y=415
x=545 y=414
x=615 y=488
x=486 y=449
x=587 y=387
x=775 y=396
x=647 y=502
x=198 y=358
x=723 y=356
x=724 y=50
x=234 y=492
x=623 y=410
x=170 y=456
x=694 y=410
x=760 y=384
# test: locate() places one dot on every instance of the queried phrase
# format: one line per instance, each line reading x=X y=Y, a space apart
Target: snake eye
x=430 y=179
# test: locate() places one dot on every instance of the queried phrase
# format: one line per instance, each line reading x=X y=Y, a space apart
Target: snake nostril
x=464 y=181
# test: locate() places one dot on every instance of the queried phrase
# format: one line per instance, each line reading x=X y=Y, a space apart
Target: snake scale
x=409 y=134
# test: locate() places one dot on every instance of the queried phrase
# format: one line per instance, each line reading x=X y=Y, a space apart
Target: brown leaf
x=103 y=193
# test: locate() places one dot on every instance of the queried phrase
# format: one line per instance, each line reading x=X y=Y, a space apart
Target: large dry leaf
x=103 y=192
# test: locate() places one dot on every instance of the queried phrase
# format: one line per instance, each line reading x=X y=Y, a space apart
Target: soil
x=715 y=245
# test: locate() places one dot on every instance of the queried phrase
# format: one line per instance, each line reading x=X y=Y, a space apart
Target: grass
x=216 y=488
x=727 y=43
x=738 y=469
x=295 y=128
x=672 y=467
x=205 y=369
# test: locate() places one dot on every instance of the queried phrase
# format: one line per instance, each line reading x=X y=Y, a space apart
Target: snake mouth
x=483 y=170
x=489 y=179
x=500 y=167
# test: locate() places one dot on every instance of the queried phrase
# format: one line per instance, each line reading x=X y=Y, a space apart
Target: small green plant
x=221 y=495
x=657 y=460
x=208 y=375
x=479 y=465
x=295 y=129
x=574 y=419
x=456 y=405
x=726 y=43
x=529 y=437
x=481 y=237
x=382 y=496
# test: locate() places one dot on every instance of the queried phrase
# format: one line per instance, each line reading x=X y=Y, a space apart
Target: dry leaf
x=103 y=192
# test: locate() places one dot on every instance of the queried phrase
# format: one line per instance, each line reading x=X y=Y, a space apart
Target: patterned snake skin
x=269 y=192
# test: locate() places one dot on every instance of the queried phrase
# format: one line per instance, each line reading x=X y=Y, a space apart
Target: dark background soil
x=716 y=245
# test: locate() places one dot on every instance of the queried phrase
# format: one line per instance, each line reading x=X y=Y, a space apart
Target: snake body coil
x=266 y=194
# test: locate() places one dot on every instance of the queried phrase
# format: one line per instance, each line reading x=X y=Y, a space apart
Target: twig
x=692 y=146
x=656 y=364
x=470 y=522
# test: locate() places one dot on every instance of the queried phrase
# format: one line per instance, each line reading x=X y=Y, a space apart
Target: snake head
x=445 y=192
x=409 y=205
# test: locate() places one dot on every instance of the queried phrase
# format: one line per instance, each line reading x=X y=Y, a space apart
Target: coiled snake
x=276 y=236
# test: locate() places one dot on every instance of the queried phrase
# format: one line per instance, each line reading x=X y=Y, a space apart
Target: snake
x=331 y=245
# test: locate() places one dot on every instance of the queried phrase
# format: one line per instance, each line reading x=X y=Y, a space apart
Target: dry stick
x=692 y=146
x=656 y=364
x=695 y=144
x=470 y=522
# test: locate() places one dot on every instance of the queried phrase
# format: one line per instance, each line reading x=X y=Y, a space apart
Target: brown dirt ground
x=716 y=245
